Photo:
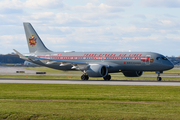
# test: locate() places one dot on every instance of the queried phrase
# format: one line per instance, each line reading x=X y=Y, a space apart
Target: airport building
x=11 y=59
x=174 y=60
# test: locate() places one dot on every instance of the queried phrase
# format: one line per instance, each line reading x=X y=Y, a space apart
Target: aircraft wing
x=60 y=61
x=76 y=65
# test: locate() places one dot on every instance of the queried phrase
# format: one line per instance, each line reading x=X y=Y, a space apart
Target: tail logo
x=32 y=41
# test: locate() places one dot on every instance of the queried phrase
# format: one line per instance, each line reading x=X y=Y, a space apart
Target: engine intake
x=97 y=70
x=133 y=73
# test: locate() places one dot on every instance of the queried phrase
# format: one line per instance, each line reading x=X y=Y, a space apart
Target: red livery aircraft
x=93 y=64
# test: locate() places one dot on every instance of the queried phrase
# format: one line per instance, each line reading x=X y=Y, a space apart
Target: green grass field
x=88 y=102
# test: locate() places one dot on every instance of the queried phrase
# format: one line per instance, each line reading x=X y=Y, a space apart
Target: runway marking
x=89 y=101
x=92 y=82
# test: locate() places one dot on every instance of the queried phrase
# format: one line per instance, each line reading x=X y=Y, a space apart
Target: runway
x=92 y=82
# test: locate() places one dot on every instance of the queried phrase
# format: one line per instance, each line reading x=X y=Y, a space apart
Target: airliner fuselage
x=94 y=64
x=118 y=61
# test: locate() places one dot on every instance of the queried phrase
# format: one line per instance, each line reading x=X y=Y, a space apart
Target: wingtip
x=15 y=50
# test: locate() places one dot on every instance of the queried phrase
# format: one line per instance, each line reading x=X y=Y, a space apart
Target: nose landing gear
x=158 y=77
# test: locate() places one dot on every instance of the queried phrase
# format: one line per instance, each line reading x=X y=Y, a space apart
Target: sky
x=93 y=25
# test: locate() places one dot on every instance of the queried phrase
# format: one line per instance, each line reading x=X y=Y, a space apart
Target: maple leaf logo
x=32 y=41
x=151 y=60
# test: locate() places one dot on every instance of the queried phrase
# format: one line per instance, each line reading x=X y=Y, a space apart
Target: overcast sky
x=93 y=25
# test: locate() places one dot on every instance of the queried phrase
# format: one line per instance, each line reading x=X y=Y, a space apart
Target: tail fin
x=33 y=40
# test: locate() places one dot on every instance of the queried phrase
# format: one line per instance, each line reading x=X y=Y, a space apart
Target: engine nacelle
x=96 y=70
x=133 y=73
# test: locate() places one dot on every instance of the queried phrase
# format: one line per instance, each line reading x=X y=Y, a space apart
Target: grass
x=90 y=92
x=86 y=111
x=88 y=102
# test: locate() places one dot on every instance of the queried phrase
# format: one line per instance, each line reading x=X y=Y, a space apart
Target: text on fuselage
x=112 y=55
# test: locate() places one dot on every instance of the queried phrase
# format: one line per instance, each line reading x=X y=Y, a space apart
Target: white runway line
x=93 y=82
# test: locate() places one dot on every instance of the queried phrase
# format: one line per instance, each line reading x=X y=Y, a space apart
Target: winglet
x=20 y=55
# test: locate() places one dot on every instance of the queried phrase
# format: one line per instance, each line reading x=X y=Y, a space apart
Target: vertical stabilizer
x=33 y=40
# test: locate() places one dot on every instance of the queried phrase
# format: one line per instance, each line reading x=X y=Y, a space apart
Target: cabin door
x=147 y=59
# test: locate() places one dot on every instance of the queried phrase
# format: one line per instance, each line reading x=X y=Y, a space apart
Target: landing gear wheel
x=107 y=77
x=159 y=78
x=87 y=77
x=84 y=77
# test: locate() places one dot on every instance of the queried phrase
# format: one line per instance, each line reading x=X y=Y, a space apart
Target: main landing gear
x=107 y=77
x=158 y=77
x=86 y=77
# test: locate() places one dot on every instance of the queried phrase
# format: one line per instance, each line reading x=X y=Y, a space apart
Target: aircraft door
x=148 y=58
x=102 y=58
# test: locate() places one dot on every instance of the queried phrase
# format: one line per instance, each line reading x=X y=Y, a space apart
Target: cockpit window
x=158 y=58
x=164 y=58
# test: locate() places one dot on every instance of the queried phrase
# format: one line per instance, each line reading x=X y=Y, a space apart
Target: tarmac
x=13 y=69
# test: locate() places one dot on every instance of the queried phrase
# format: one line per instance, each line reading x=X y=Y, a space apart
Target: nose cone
x=170 y=65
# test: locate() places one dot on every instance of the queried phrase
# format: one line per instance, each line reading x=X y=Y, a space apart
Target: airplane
x=93 y=64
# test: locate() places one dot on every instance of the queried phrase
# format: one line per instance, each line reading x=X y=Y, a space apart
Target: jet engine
x=96 y=70
x=133 y=73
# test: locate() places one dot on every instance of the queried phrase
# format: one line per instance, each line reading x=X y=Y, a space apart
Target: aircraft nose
x=170 y=65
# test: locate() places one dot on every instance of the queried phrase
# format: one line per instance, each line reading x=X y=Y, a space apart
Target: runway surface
x=92 y=82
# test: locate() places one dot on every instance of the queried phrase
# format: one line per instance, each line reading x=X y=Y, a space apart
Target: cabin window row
x=92 y=58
